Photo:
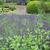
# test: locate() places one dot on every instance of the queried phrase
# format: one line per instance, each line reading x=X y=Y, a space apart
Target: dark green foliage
x=6 y=7
x=12 y=8
x=47 y=7
x=1 y=3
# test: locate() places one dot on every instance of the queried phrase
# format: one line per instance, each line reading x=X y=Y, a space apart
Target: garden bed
x=21 y=25
x=7 y=7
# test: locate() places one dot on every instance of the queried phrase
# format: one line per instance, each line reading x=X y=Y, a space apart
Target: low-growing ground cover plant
x=30 y=38
x=33 y=36
x=35 y=40
x=7 y=7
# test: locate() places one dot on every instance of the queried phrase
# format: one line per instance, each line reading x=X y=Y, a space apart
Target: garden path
x=21 y=10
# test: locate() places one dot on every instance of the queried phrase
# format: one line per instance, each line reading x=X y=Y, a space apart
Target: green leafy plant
x=1 y=3
x=7 y=7
x=12 y=8
x=34 y=7
x=3 y=49
x=30 y=41
x=47 y=7
x=35 y=0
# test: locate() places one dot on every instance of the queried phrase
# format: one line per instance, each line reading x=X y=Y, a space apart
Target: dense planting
x=47 y=7
x=35 y=40
x=23 y=32
x=1 y=3
x=7 y=7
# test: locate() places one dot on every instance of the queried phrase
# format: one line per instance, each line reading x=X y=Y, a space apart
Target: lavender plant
x=32 y=41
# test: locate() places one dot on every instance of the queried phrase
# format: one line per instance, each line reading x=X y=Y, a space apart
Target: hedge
x=37 y=7
x=33 y=7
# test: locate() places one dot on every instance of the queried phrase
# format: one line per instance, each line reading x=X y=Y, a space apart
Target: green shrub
x=8 y=6
x=29 y=1
x=1 y=3
x=47 y=7
x=12 y=8
x=38 y=7
x=36 y=0
x=5 y=6
x=5 y=9
x=33 y=7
